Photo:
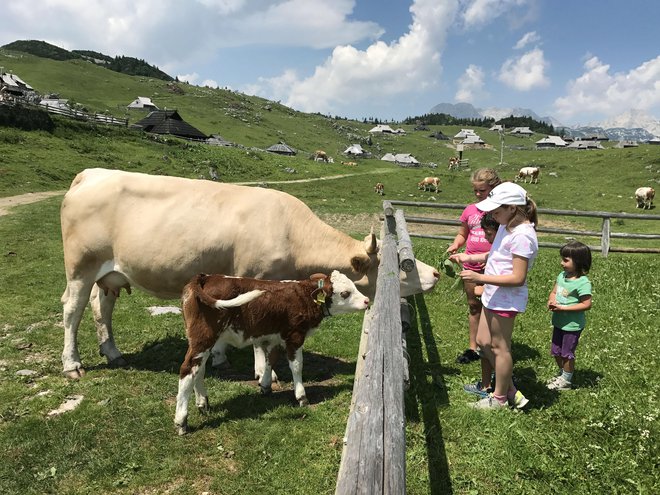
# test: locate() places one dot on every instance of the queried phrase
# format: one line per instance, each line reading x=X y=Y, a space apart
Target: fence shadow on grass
x=428 y=397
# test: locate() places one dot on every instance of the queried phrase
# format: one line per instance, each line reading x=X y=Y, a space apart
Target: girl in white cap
x=505 y=285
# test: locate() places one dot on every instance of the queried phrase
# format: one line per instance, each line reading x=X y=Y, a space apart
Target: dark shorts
x=564 y=343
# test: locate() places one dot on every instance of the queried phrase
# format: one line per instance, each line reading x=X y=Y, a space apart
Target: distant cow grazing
x=429 y=183
x=454 y=162
x=644 y=197
x=349 y=164
x=269 y=314
x=379 y=188
x=528 y=172
x=320 y=156
x=123 y=230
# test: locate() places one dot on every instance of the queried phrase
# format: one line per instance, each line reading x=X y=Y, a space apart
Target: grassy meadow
x=601 y=437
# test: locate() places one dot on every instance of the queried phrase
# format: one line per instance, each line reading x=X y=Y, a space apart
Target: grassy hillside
x=599 y=438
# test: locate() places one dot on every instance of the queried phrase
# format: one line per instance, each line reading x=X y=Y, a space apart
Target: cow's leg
x=74 y=300
x=260 y=364
x=201 y=395
x=102 y=307
x=219 y=355
x=191 y=368
x=296 y=365
x=266 y=378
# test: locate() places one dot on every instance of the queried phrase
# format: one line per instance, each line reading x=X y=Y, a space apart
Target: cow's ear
x=360 y=264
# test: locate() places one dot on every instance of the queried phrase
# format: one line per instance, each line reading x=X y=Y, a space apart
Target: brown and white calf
x=265 y=313
x=528 y=172
x=428 y=183
x=644 y=197
x=379 y=188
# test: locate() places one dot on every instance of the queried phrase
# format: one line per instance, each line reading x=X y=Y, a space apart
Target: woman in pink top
x=471 y=235
x=505 y=285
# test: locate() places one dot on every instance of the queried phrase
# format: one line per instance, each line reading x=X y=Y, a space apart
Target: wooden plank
x=362 y=467
x=404 y=245
x=605 y=238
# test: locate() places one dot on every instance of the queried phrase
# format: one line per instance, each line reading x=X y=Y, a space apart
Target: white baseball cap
x=507 y=193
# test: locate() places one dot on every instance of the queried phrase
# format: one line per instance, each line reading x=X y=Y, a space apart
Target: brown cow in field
x=429 y=183
x=269 y=314
x=644 y=197
x=320 y=156
x=454 y=162
x=379 y=188
x=124 y=230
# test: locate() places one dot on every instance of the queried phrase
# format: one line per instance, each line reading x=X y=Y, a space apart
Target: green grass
x=601 y=437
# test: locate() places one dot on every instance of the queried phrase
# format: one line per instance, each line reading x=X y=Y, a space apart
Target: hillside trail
x=9 y=202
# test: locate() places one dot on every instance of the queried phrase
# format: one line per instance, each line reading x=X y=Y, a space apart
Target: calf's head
x=339 y=294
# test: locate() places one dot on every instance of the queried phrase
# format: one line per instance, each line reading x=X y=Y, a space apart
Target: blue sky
x=578 y=61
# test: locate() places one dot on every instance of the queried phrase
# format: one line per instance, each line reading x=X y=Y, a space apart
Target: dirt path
x=23 y=199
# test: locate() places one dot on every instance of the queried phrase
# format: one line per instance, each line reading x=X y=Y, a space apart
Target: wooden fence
x=373 y=458
x=88 y=117
x=605 y=234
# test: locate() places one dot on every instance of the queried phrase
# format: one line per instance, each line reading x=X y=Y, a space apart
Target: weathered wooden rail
x=89 y=117
x=373 y=458
x=605 y=234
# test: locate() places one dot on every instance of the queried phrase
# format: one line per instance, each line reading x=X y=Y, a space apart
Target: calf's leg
x=296 y=366
x=191 y=369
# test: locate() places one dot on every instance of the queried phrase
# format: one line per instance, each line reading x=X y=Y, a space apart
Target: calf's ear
x=316 y=276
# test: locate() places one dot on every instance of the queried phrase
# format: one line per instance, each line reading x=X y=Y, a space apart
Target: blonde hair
x=526 y=212
x=487 y=175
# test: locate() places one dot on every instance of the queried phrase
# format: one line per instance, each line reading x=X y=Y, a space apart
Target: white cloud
x=470 y=85
x=525 y=72
x=172 y=32
x=599 y=91
x=528 y=39
x=408 y=65
x=481 y=12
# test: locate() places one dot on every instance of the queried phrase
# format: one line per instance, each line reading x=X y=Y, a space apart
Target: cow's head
x=422 y=278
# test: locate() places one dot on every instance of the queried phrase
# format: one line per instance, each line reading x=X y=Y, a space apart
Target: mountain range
x=633 y=125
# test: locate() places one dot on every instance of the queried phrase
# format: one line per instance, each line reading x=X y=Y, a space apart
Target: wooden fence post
x=605 y=237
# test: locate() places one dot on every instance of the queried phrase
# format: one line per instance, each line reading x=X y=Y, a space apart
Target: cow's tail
x=238 y=300
x=197 y=288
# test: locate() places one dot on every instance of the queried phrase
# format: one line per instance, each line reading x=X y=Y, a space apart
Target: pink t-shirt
x=476 y=242
x=521 y=241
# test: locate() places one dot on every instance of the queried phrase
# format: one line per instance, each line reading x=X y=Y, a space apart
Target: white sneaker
x=559 y=383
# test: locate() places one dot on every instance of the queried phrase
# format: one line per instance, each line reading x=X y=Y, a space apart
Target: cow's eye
x=344 y=294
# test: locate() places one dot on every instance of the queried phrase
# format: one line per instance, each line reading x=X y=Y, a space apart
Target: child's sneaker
x=489 y=402
x=519 y=400
x=559 y=383
x=477 y=388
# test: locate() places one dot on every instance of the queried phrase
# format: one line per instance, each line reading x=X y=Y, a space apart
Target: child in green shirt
x=568 y=301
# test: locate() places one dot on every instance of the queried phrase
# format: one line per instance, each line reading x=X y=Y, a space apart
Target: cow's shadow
x=168 y=353
x=321 y=378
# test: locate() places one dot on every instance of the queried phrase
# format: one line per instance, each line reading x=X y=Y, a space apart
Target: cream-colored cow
x=644 y=197
x=528 y=172
x=123 y=230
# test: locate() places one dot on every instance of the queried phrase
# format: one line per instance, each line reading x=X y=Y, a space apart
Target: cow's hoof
x=76 y=374
x=303 y=401
x=265 y=390
x=119 y=362
x=203 y=407
x=182 y=429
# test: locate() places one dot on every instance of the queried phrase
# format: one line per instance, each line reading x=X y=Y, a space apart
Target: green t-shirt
x=569 y=292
